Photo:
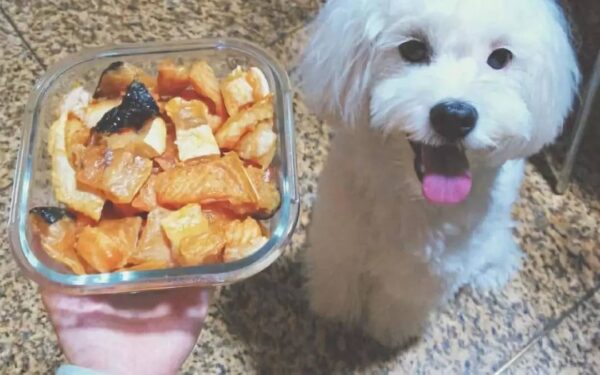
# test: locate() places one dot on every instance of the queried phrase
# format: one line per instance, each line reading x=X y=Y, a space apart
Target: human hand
x=142 y=333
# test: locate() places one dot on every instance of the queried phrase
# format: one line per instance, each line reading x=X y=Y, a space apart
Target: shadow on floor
x=270 y=313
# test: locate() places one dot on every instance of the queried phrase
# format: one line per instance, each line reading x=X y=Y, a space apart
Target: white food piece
x=64 y=181
x=65 y=189
x=259 y=76
x=196 y=142
x=258 y=145
x=266 y=139
x=154 y=137
x=76 y=101
x=239 y=92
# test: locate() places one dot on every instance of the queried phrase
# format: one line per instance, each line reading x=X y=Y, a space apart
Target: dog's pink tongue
x=447 y=179
x=441 y=189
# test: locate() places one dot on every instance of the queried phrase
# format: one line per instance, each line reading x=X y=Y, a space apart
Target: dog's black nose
x=453 y=119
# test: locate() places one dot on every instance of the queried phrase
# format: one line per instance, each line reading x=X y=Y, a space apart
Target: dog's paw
x=333 y=305
x=396 y=322
x=496 y=275
x=394 y=335
x=396 y=340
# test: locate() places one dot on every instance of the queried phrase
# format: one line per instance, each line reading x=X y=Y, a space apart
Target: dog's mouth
x=443 y=172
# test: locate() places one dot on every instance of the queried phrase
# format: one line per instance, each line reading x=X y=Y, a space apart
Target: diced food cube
x=108 y=246
x=243 y=122
x=185 y=222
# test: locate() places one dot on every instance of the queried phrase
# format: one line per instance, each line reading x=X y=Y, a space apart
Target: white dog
x=435 y=105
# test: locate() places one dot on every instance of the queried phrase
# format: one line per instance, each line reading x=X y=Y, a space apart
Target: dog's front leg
x=336 y=253
x=401 y=296
x=503 y=260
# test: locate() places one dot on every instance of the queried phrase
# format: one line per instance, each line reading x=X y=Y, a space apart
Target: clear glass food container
x=32 y=185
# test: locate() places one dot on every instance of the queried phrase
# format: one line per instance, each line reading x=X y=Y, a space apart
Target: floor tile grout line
x=20 y=35
x=554 y=323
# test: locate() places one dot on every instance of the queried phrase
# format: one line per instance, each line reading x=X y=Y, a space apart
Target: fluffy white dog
x=435 y=105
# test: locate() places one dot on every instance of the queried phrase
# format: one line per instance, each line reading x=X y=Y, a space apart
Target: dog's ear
x=335 y=67
x=556 y=76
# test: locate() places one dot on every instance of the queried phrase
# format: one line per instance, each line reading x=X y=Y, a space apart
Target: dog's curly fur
x=379 y=254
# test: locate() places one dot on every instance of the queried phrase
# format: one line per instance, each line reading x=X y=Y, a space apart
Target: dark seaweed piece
x=137 y=106
x=51 y=214
x=139 y=103
x=111 y=122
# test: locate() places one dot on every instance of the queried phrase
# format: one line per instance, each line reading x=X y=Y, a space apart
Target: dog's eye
x=414 y=51
x=500 y=58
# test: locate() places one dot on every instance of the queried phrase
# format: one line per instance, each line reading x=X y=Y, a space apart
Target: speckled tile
x=27 y=343
x=58 y=27
x=289 y=50
x=572 y=348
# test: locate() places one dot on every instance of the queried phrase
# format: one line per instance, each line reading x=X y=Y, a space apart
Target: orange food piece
x=92 y=165
x=190 y=94
x=148 y=142
x=243 y=122
x=64 y=182
x=269 y=198
x=260 y=86
x=77 y=135
x=239 y=233
x=172 y=79
x=118 y=174
x=149 y=266
x=108 y=246
x=58 y=241
x=82 y=220
x=187 y=114
x=259 y=146
x=232 y=254
x=207 y=181
x=126 y=139
x=118 y=210
x=204 y=248
x=146 y=198
x=169 y=158
x=237 y=91
x=205 y=83
x=243 y=238
x=118 y=76
x=218 y=215
x=153 y=246
x=125 y=176
x=186 y=222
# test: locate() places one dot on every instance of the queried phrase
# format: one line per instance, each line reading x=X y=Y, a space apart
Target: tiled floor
x=546 y=321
